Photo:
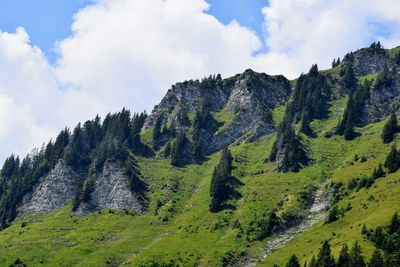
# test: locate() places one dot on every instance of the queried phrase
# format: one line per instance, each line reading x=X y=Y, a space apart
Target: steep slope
x=149 y=213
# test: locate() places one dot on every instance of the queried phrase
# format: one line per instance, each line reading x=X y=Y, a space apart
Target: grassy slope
x=178 y=225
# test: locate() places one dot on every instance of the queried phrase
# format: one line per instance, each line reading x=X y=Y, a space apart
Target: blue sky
x=127 y=53
x=47 y=21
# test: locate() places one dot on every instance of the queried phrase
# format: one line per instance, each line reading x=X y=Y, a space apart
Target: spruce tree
x=394 y=224
x=313 y=262
x=378 y=172
x=157 y=131
x=390 y=129
x=356 y=258
x=344 y=257
x=293 y=262
x=348 y=79
x=392 y=162
x=376 y=259
x=178 y=157
x=325 y=258
x=223 y=184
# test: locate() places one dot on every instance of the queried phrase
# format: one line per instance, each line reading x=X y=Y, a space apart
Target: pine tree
x=376 y=259
x=178 y=158
x=157 y=131
x=392 y=162
x=325 y=258
x=313 y=262
x=293 y=262
x=305 y=125
x=344 y=257
x=394 y=224
x=390 y=129
x=378 y=172
x=222 y=183
x=348 y=80
x=356 y=258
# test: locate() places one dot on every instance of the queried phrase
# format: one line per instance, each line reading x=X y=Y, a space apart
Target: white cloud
x=129 y=52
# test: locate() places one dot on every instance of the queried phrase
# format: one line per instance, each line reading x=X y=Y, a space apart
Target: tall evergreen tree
x=394 y=225
x=348 y=79
x=223 y=184
x=325 y=258
x=376 y=259
x=392 y=162
x=293 y=262
x=178 y=157
x=344 y=257
x=390 y=129
x=356 y=258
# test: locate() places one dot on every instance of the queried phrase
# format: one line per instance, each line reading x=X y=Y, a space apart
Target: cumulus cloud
x=129 y=52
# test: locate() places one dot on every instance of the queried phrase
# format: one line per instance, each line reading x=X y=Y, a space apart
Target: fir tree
x=394 y=224
x=325 y=258
x=178 y=158
x=313 y=262
x=376 y=259
x=222 y=183
x=378 y=172
x=293 y=262
x=390 y=129
x=356 y=258
x=348 y=80
x=157 y=131
x=392 y=162
x=344 y=257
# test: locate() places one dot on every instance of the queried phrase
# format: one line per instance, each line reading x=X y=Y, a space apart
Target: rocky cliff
x=246 y=101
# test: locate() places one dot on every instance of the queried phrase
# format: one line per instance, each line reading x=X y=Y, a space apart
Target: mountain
x=303 y=162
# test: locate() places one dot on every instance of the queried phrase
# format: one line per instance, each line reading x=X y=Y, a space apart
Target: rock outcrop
x=53 y=192
x=367 y=61
x=112 y=191
x=247 y=99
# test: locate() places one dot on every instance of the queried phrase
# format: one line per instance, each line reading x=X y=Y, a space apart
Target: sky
x=65 y=61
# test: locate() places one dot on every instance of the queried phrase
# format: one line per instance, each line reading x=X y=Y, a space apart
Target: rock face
x=53 y=192
x=112 y=192
x=60 y=186
x=247 y=99
x=384 y=99
x=366 y=61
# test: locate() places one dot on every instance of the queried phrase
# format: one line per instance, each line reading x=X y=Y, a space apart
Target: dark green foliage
x=87 y=148
x=333 y=215
x=376 y=46
x=88 y=188
x=356 y=258
x=390 y=129
x=136 y=184
x=313 y=262
x=178 y=157
x=157 y=131
x=18 y=263
x=311 y=95
x=335 y=62
x=305 y=125
x=376 y=259
x=223 y=184
x=292 y=152
x=293 y=262
x=378 y=172
x=348 y=79
x=392 y=162
x=384 y=79
x=397 y=58
x=325 y=258
x=344 y=257
x=354 y=111
x=264 y=227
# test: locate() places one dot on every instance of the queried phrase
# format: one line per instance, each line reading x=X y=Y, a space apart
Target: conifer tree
x=325 y=258
x=392 y=162
x=356 y=258
x=178 y=158
x=157 y=131
x=293 y=262
x=390 y=129
x=222 y=183
x=376 y=259
x=313 y=262
x=344 y=257
x=378 y=172
x=394 y=224
x=348 y=79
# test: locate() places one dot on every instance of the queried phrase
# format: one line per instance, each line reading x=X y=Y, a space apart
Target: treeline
x=310 y=101
x=347 y=258
x=85 y=149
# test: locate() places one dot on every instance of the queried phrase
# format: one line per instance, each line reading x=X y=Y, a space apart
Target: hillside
x=134 y=189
